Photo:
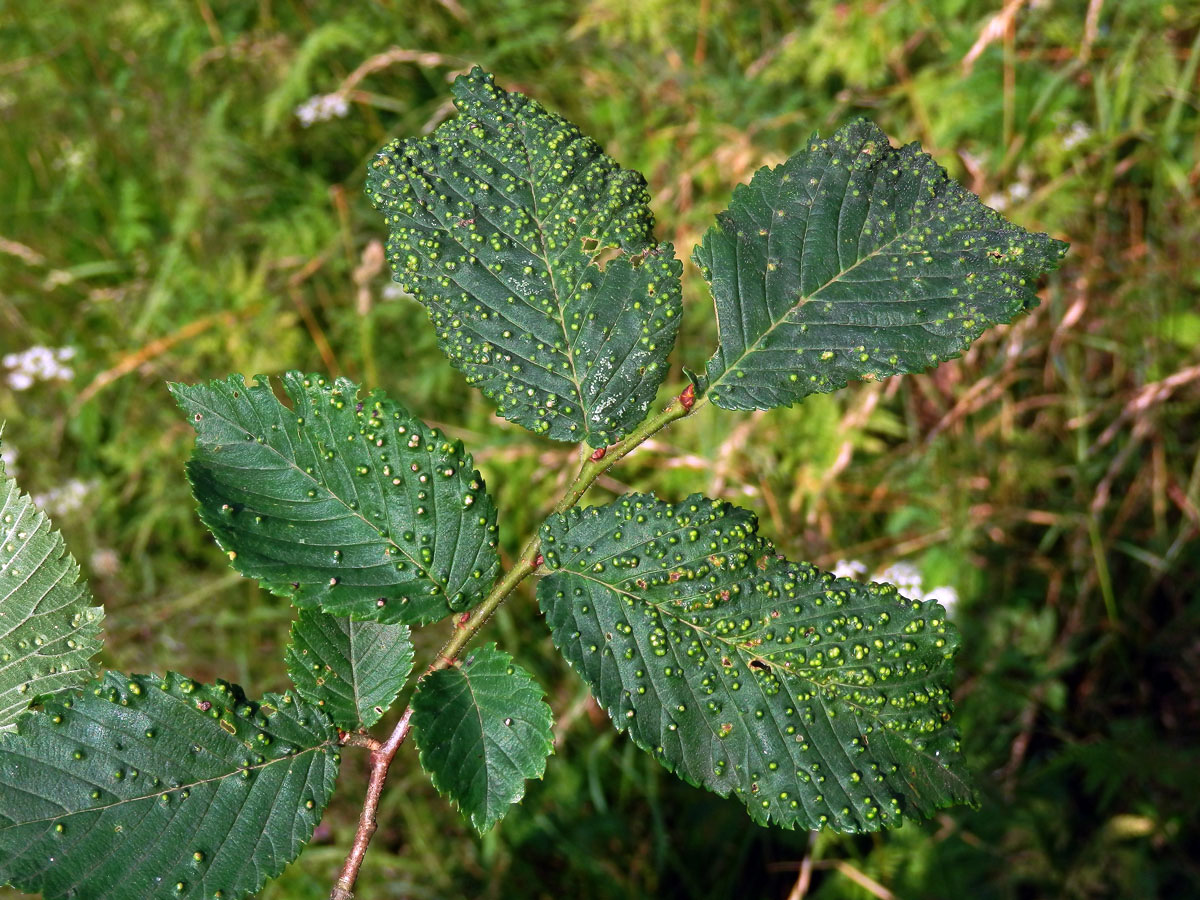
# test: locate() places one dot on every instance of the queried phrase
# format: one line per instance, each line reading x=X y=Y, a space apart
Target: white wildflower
x=322 y=108
x=903 y=575
x=850 y=568
x=73 y=157
x=38 y=364
x=945 y=595
x=66 y=498
x=1076 y=134
x=1017 y=192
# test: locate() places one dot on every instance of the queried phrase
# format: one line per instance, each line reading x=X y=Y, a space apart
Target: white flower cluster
x=38 y=364
x=393 y=291
x=66 y=498
x=904 y=576
x=1076 y=134
x=1017 y=192
x=322 y=108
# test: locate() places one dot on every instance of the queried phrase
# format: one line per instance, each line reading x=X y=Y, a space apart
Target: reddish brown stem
x=381 y=761
x=358 y=739
x=465 y=628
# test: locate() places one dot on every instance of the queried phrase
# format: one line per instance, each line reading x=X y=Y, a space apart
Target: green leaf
x=483 y=729
x=358 y=508
x=817 y=701
x=352 y=670
x=49 y=629
x=854 y=259
x=497 y=223
x=146 y=787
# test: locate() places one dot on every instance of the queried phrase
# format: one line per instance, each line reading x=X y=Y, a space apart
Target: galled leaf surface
x=817 y=701
x=351 y=670
x=483 y=729
x=854 y=259
x=356 y=507
x=495 y=221
x=143 y=787
x=49 y=629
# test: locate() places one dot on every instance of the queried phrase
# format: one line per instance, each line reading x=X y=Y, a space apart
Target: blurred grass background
x=176 y=205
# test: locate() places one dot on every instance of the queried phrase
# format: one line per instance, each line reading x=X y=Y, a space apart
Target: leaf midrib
x=352 y=657
x=558 y=299
x=323 y=746
x=741 y=714
x=478 y=709
x=804 y=300
x=739 y=648
x=353 y=512
x=841 y=698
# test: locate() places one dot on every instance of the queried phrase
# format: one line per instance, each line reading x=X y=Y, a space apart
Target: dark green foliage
x=49 y=629
x=817 y=701
x=142 y=788
x=483 y=730
x=351 y=670
x=354 y=506
x=851 y=260
x=155 y=167
x=496 y=222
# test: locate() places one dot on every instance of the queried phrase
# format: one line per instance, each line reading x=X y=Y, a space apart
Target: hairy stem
x=594 y=465
x=381 y=761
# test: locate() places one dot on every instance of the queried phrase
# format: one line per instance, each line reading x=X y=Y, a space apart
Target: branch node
x=687 y=399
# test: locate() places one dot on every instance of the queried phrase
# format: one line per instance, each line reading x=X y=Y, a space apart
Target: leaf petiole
x=527 y=563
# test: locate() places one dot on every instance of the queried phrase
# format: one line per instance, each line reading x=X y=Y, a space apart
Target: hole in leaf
x=276 y=386
x=601 y=255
